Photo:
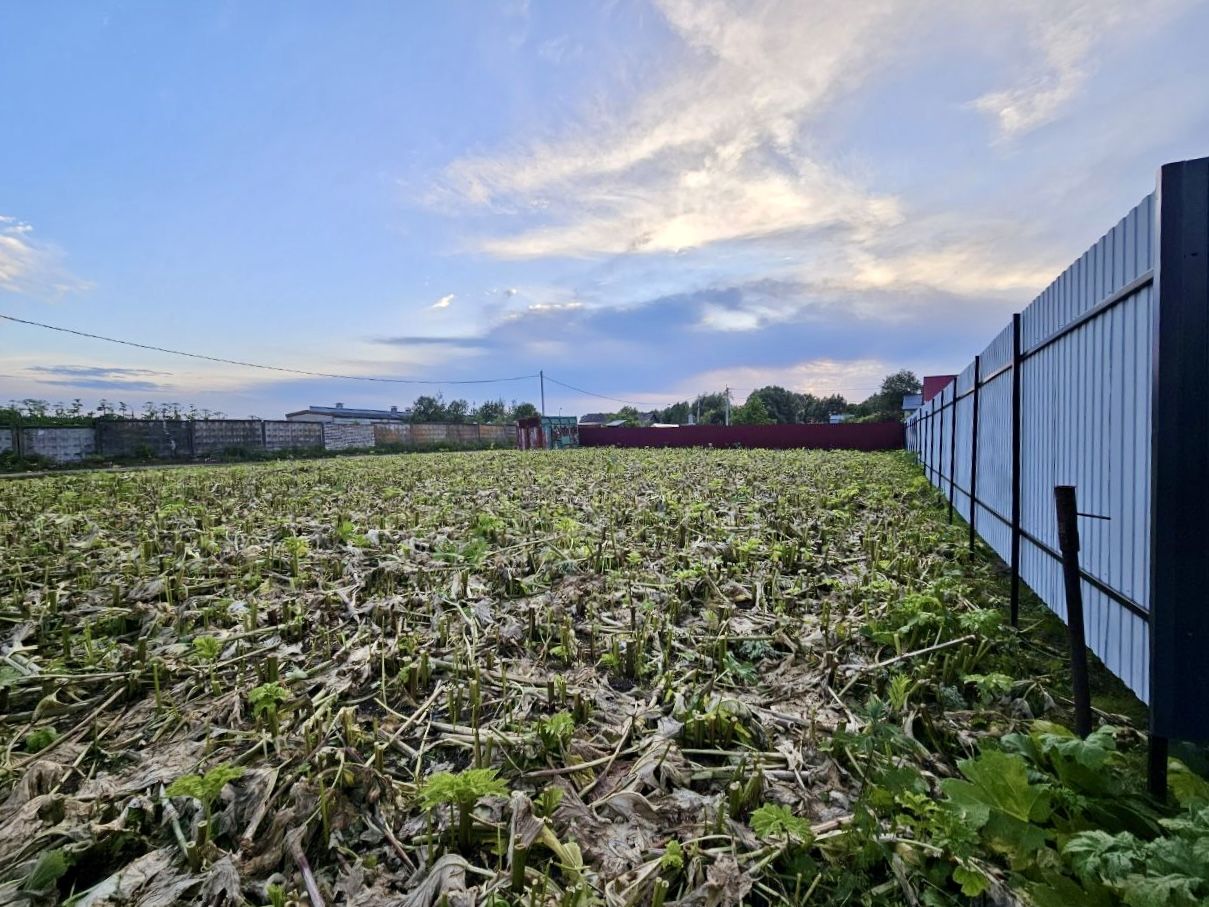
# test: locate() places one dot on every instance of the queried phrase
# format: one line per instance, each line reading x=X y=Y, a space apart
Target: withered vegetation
x=585 y=677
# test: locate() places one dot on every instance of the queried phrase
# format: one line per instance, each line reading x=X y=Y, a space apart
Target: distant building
x=348 y=415
x=547 y=432
x=606 y=419
x=837 y=418
x=934 y=384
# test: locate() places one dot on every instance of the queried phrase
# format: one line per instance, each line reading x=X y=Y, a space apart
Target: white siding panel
x=1085 y=421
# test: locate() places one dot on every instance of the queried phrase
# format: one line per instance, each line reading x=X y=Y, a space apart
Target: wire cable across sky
x=269 y=368
x=580 y=390
x=314 y=374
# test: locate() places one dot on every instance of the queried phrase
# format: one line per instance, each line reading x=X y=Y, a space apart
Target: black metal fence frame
x=1178 y=617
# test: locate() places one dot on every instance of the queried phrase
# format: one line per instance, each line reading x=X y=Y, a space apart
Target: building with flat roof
x=349 y=415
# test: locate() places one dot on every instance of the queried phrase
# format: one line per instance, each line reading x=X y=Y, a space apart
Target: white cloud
x=720 y=318
x=554 y=306
x=1066 y=38
x=29 y=267
x=714 y=153
x=722 y=153
x=444 y=302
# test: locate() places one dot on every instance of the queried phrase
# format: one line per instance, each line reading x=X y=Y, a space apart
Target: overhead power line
x=268 y=368
x=580 y=390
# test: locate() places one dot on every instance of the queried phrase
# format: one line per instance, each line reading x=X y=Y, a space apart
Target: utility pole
x=728 y=404
x=541 y=374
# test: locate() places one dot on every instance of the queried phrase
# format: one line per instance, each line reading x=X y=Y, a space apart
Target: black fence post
x=1068 y=541
x=934 y=452
x=1016 y=444
x=952 y=450
x=974 y=451
x=1179 y=528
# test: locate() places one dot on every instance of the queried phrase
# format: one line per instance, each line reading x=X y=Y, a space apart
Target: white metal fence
x=1067 y=395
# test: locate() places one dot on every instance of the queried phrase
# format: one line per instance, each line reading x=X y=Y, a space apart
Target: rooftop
x=345 y=412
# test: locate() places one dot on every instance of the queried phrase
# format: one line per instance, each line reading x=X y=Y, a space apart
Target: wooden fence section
x=859 y=436
x=1101 y=383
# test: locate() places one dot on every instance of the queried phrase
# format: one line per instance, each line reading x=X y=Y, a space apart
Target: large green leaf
x=1161 y=891
x=1189 y=788
x=1099 y=855
x=998 y=781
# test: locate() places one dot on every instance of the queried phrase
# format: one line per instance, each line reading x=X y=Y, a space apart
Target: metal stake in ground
x=1068 y=541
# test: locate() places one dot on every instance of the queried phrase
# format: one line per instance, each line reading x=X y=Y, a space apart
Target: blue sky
x=646 y=199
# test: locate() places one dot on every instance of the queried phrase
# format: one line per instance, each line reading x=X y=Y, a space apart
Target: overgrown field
x=586 y=677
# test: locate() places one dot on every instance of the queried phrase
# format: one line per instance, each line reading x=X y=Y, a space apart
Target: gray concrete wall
x=215 y=436
x=394 y=434
x=347 y=437
x=500 y=435
x=159 y=438
x=63 y=445
x=180 y=440
x=281 y=435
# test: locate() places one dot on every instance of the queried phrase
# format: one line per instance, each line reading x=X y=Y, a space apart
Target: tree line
x=494 y=412
x=776 y=405
x=33 y=412
x=767 y=405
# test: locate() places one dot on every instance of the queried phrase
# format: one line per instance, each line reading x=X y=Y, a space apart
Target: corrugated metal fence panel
x=965 y=381
x=849 y=436
x=1085 y=421
x=995 y=463
x=998 y=353
x=947 y=436
x=964 y=412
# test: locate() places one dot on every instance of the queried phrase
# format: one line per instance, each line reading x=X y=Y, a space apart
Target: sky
x=644 y=199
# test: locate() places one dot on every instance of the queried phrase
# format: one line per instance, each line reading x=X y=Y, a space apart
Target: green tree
x=491 y=411
x=899 y=384
x=629 y=414
x=523 y=411
x=753 y=412
x=676 y=414
x=428 y=409
x=887 y=403
x=457 y=411
x=782 y=406
x=710 y=409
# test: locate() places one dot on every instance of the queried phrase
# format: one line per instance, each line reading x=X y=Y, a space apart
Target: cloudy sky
x=645 y=198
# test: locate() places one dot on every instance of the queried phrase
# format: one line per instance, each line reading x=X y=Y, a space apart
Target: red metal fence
x=859 y=436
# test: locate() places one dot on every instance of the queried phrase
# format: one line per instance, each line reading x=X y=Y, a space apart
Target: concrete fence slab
x=347 y=437
x=63 y=445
